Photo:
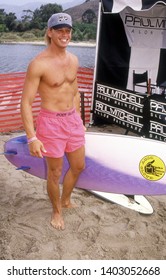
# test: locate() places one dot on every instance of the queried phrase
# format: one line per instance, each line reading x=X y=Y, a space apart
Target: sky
x=22 y=2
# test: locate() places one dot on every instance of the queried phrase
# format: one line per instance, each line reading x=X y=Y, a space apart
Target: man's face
x=61 y=36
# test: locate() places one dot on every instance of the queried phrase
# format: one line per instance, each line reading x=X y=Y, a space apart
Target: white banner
x=145 y=29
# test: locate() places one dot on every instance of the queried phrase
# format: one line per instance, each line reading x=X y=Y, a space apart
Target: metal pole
x=96 y=60
x=82 y=107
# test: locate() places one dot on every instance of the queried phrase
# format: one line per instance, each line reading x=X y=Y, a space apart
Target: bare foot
x=69 y=205
x=57 y=221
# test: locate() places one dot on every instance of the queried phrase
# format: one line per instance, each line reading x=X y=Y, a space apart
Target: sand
x=89 y=44
x=96 y=230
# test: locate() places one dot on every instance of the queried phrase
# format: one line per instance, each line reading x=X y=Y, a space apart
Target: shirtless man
x=53 y=73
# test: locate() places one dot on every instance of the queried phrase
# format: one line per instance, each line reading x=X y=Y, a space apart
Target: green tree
x=89 y=16
x=10 y=21
x=2 y=15
x=28 y=14
x=22 y=26
x=77 y=35
x=41 y=16
x=84 y=31
x=2 y=20
x=25 y=23
x=33 y=24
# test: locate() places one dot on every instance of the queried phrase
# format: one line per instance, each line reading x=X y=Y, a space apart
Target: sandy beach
x=96 y=230
x=88 y=44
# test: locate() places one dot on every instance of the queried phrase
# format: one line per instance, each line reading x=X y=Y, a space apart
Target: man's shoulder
x=74 y=58
x=73 y=55
x=39 y=60
x=42 y=56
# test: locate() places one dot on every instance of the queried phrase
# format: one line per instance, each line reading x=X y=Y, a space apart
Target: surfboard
x=136 y=202
x=117 y=164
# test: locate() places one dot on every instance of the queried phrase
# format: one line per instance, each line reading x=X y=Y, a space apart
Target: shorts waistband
x=48 y=113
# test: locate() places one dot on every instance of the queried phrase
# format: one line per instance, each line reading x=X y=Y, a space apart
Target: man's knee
x=54 y=174
x=78 y=168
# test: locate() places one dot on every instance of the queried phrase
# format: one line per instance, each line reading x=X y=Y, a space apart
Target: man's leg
x=77 y=164
x=54 y=173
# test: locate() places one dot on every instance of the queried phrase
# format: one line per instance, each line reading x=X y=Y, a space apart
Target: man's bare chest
x=57 y=77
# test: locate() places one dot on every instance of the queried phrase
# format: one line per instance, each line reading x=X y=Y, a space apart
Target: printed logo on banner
x=148 y=27
x=157 y=118
x=142 y=115
x=152 y=168
x=158 y=110
x=120 y=98
x=121 y=107
x=157 y=131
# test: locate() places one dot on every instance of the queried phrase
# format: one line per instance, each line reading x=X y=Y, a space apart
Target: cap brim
x=58 y=26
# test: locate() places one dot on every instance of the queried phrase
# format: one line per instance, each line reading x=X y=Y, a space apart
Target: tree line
x=33 y=23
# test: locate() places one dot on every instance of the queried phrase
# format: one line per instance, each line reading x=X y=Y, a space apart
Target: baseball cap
x=60 y=20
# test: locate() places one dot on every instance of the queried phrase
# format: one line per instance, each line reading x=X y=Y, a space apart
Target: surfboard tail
x=137 y=202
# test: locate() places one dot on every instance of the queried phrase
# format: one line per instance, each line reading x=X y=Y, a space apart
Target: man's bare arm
x=77 y=102
x=30 y=88
x=31 y=84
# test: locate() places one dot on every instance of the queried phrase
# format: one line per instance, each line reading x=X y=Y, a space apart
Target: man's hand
x=36 y=148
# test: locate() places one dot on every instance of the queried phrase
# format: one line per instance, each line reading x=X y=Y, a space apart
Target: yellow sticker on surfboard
x=152 y=168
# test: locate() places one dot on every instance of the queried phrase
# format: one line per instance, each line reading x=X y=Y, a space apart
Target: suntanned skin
x=53 y=74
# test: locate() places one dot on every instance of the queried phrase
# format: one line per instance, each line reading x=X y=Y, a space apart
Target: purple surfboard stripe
x=23 y=168
x=9 y=153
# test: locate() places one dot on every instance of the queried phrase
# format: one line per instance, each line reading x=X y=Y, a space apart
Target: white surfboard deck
x=139 y=203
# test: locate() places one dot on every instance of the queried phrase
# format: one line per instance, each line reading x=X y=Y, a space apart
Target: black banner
x=157 y=117
x=138 y=113
x=123 y=108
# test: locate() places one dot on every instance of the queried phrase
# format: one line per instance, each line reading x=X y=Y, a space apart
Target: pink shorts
x=60 y=132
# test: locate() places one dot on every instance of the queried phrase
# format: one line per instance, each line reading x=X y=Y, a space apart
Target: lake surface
x=16 y=57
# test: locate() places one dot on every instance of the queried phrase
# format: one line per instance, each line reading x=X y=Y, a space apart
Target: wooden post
x=82 y=107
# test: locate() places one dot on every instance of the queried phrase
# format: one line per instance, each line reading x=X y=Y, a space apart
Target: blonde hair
x=47 y=39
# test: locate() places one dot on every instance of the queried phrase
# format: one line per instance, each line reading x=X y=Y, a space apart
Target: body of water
x=16 y=57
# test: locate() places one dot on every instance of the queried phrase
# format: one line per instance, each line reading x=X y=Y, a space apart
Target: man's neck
x=58 y=51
